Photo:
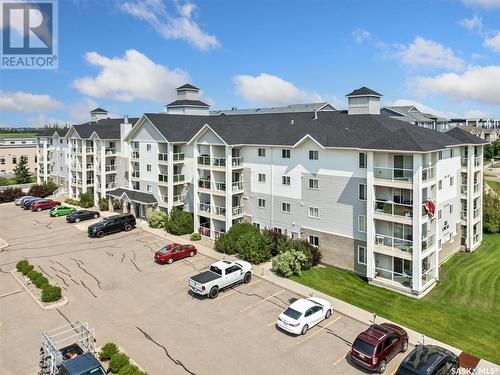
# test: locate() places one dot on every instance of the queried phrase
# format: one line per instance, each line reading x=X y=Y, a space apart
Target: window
x=313 y=240
x=285 y=207
x=440 y=214
x=261 y=152
x=148 y=167
x=451 y=153
x=14 y=160
x=313 y=183
x=440 y=155
x=313 y=155
x=285 y=180
x=262 y=177
x=148 y=188
x=148 y=147
x=262 y=203
x=256 y=225
x=361 y=255
x=2 y=160
x=452 y=181
x=135 y=185
x=440 y=184
x=451 y=208
x=285 y=154
x=362 y=223
x=314 y=212
x=362 y=192
x=362 y=160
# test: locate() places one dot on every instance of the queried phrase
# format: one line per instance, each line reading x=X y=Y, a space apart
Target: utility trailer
x=69 y=350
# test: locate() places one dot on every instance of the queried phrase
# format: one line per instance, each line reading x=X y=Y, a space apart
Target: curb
x=60 y=303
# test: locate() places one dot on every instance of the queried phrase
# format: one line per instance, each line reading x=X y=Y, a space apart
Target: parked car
x=377 y=345
x=112 y=224
x=61 y=210
x=304 y=314
x=81 y=215
x=20 y=200
x=44 y=204
x=429 y=360
x=169 y=253
x=29 y=201
x=221 y=274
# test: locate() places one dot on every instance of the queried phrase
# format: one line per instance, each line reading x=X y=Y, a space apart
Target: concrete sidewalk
x=265 y=271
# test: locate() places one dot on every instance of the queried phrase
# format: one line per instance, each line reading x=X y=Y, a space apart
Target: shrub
x=40 y=191
x=41 y=282
x=103 y=204
x=289 y=263
x=304 y=248
x=254 y=247
x=86 y=200
x=107 y=351
x=34 y=275
x=227 y=243
x=158 y=219
x=22 y=265
x=129 y=370
x=179 y=222
x=51 y=187
x=117 y=204
x=195 y=236
x=51 y=293
x=117 y=361
x=72 y=201
x=491 y=213
x=316 y=255
x=285 y=243
x=275 y=239
x=10 y=194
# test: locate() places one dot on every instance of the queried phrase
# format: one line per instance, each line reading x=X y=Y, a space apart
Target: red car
x=44 y=204
x=169 y=253
x=376 y=346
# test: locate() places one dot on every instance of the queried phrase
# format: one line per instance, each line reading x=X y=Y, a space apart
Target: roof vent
x=292 y=122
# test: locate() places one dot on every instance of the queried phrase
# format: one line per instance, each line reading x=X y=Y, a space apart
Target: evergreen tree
x=22 y=172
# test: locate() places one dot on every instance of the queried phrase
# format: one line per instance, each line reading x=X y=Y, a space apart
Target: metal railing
x=464 y=161
x=393 y=174
x=220 y=186
x=428 y=241
x=110 y=167
x=204 y=183
x=395 y=277
x=89 y=149
x=76 y=166
x=218 y=233
x=203 y=160
x=205 y=207
x=237 y=185
x=236 y=161
x=476 y=213
x=179 y=177
x=477 y=161
x=204 y=230
x=76 y=150
x=394 y=242
x=475 y=238
x=90 y=166
x=477 y=187
x=162 y=157
x=463 y=189
x=135 y=174
x=178 y=156
x=179 y=198
x=219 y=162
x=219 y=210
x=110 y=185
x=163 y=178
x=393 y=209
x=90 y=181
x=135 y=154
x=428 y=174
x=237 y=210
x=110 y=151
x=427 y=276
x=463 y=214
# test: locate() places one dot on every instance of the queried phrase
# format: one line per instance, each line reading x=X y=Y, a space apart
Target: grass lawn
x=18 y=135
x=494 y=185
x=463 y=310
x=12 y=181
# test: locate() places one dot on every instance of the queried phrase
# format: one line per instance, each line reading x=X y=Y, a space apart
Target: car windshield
x=363 y=346
x=216 y=270
x=96 y=371
x=294 y=314
x=164 y=250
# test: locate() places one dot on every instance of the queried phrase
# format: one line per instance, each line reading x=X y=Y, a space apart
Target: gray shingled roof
x=133 y=195
x=331 y=129
x=465 y=137
x=49 y=132
x=364 y=91
x=187 y=86
x=98 y=110
x=195 y=103
x=307 y=107
x=108 y=128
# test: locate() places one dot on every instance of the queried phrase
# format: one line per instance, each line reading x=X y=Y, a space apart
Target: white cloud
x=360 y=35
x=477 y=113
x=493 y=42
x=176 y=24
x=429 y=53
x=26 y=102
x=479 y=83
x=474 y=23
x=338 y=103
x=133 y=76
x=80 y=111
x=42 y=120
x=488 y=4
x=271 y=90
x=423 y=108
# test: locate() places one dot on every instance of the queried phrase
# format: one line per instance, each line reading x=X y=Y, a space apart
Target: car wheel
x=127 y=227
x=304 y=330
x=214 y=292
x=382 y=366
x=247 y=278
x=38 y=209
x=404 y=348
x=191 y=254
x=100 y=234
x=170 y=260
x=77 y=220
x=328 y=314
x=96 y=216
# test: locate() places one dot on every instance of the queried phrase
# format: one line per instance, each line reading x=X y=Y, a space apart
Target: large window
x=362 y=160
x=313 y=155
x=285 y=154
x=285 y=180
x=361 y=255
x=314 y=212
x=313 y=183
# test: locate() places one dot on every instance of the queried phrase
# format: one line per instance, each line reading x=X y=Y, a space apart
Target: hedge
x=158 y=219
x=10 y=195
x=107 y=351
x=179 y=222
x=50 y=293
x=117 y=361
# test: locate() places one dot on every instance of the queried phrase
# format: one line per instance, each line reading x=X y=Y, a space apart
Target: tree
x=22 y=172
x=491 y=213
x=179 y=222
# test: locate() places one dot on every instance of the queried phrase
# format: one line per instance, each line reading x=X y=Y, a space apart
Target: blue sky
x=128 y=56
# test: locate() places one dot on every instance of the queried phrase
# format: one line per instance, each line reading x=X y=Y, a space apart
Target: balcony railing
x=475 y=238
x=393 y=174
x=463 y=189
x=178 y=156
x=477 y=161
x=90 y=181
x=219 y=162
x=237 y=185
x=179 y=198
x=204 y=183
x=477 y=212
x=179 y=177
x=162 y=157
x=428 y=174
x=237 y=210
x=463 y=214
x=428 y=241
x=135 y=154
x=110 y=167
x=76 y=150
x=76 y=166
x=135 y=174
x=163 y=178
x=427 y=276
x=204 y=230
x=205 y=207
x=218 y=233
x=236 y=161
x=219 y=210
x=203 y=160
x=463 y=161
x=477 y=188
x=89 y=150
x=394 y=242
x=90 y=166
x=110 y=185
x=395 y=277
x=110 y=151
x=394 y=209
x=220 y=186
x=163 y=199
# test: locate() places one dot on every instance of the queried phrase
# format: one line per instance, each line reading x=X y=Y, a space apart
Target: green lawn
x=18 y=135
x=494 y=185
x=463 y=310
x=12 y=181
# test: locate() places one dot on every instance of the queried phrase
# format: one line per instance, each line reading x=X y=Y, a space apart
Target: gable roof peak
x=364 y=91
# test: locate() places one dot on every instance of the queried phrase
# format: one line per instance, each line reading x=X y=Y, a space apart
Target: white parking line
x=319 y=330
x=11 y=293
x=341 y=358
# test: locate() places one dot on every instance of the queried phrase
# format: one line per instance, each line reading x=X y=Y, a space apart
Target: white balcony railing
x=393 y=174
x=393 y=209
x=110 y=185
x=110 y=151
x=163 y=178
x=395 y=277
x=205 y=207
x=178 y=156
x=463 y=161
x=477 y=187
x=219 y=162
x=237 y=186
x=477 y=161
x=477 y=212
x=427 y=276
x=179 y=198
x=179 y=178
x=463 y=214
x=135 y=174
x=463 y=189
x=236 y=161
x=204 y=183
x=90 y=166
x=219 y=210
x=161 y=157
x=237 y=210
x=394 y=243
x=220 y=186
x=203 y=160
x=428 y=174
x=110 y=168
x=428 y=241
x=89 y=150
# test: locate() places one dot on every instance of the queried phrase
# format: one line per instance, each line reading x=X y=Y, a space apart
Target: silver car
x=19 y=201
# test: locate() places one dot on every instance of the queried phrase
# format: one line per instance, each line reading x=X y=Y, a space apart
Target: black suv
x=429 y=360
x=112 y=224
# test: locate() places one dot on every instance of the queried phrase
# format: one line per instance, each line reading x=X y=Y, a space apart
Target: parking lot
x=113 y=284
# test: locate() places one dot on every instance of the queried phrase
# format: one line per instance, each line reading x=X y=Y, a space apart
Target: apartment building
x=11 y=149
x=412 y=115
x=53 y=156
x=381 y=197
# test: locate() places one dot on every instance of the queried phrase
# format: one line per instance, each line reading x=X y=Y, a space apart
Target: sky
x=129 y=56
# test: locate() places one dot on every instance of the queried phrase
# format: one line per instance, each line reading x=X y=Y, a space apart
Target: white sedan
x=304 y=314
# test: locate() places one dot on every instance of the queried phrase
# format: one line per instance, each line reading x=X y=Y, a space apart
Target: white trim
x=366 y=254
x=202 y=131
x=138 y=124
x=309 y=212
x=302 y=140
x=359 y=229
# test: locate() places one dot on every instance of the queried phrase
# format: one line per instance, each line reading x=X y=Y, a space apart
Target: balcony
x=393 y=209
x=475 y=238
x=463 y=189
x=90 y=166
x=204 y=183
x=237 y=161
x=477 y=161
x=237 y=211
x=204 y=230
x=463 y=214
x=162 y=158
x=135 y=174
x=89 y=150
x=90 y=181
x=428 y=240
x=477 y=212
x=178 y=156
x=219 y=162
x=205 y=207
x=76 y=150
x=220 y=186
x=76 y=167
x=179 y=198
x=394 y=243
x=203 y=160
x=394 y=277
x=111 y=185
x=393 y=174
x=428 y=174
x=477 y=188
x=110 y=151
x=219 y=210
x=428 y=276
x=162 y=179
x=178 y=178
x=218 y=233
x=237 y=186
x=110 y=168
x=464 y=162
x=76 y=182
x=135 y=154
x=163 y=200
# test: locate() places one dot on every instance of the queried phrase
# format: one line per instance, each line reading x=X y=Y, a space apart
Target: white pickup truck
x=221 y=275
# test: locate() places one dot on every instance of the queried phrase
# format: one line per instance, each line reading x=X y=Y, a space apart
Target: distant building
x=488 y=134
x=412 y=115
x=11 y=149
